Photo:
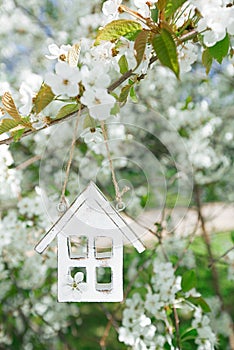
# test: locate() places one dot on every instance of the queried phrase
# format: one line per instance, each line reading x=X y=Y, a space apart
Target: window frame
x=76 y=255
x=108 y=254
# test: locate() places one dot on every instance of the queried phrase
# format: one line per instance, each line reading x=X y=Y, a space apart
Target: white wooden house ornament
x=90 y=234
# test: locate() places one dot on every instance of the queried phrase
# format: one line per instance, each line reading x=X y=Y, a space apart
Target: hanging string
x=118 y=194
x=62 y=206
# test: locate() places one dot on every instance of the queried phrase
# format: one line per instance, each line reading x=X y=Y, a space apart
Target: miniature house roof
x=92 y=208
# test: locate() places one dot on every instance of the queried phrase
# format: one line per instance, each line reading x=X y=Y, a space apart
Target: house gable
x=84 y=210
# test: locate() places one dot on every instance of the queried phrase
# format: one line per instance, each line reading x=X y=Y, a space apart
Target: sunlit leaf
x=115 y=29
x=68 y=109
x=43 y=98
x=220 y=49
x=165 y=48
x=10 y=107
x=140 y=45
x=17 y=132
x=132 y=36
x=7 y=124
x=73 y=55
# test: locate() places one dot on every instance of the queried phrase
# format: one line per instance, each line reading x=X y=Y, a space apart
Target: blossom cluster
x=217 y=19
x=146 y=321
x=200 y=109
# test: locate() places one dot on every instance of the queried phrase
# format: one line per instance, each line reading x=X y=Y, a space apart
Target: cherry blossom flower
x=65 y=81
x=59 y=53
x=27 y=91
x=26 y=98
x=216 y=22
x=92 y=135
x=38 y=121
x=143 y=7
x=103 y=53
x=206 y=339
x=187 y=56
x=75 y=283
x=99 y=103
x=110 y=9
x=186 y=12
x=153 y=303
x=96 y=77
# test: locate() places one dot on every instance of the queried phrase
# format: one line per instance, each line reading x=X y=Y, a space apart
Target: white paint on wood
x=93 y=222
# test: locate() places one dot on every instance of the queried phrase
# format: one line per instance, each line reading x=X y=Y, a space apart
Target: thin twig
x=111 y=88
x=110 y=316
x=222 y=256
x=177 y=327
x=118 y=195
x=105 y=335
x=62 y=198
x=206 y=237
x=28 y=162
x=154 y=233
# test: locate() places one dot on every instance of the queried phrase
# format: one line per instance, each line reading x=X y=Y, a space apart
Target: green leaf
x=188 y=334
x=220 y=49
x=133 y=95
x=43 y=98
x=124 y=93
x=154 y=14
x=165 y=48
x=7 y=124
x=232 y=236
x=115 y=109
x=123 y=64
x=115 y=29
x=140 y=45
x=189 y=280
x=89 y=122
x=17 y=134
x=67 y=109
x=207 y=60
x=199 y=301
x=132 y=36
x=172 y=7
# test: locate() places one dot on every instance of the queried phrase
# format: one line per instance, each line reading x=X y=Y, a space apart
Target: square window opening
x=77 y=247
x=103 y=278
x=74 y=270
x=103 y=247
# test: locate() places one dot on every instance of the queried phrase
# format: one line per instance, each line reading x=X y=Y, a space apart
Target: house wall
x=65 y=292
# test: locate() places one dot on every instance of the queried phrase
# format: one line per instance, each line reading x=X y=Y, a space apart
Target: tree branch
x=207 y=241
x=188 y=36
x=222 y=256
x=177 y=327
